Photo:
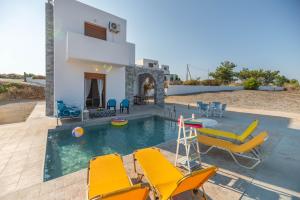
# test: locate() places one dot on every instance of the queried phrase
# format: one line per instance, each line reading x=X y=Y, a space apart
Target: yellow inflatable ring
x=119 y=122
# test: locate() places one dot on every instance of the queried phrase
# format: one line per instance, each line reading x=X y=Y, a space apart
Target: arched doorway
x=147 y=86
x=135 y=79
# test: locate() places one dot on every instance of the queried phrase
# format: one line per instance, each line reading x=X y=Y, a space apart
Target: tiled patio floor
x=22 y=151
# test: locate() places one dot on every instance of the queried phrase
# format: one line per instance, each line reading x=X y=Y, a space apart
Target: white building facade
x=90 y=53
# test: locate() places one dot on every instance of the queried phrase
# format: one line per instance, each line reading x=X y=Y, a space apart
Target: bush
x=11 y=76
x=38 y=77
x=191 y=82
x=251 y=84
x=292 y=85
x=3 y=89
x=178 y=82
x=280 y=80
x=6 y=86
x=211 y=82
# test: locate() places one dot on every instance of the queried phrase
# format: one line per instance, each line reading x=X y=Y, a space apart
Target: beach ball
x=77 y=132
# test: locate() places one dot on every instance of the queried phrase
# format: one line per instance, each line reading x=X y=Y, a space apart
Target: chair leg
x=210 y=148
x=134 y=163
x=247 y=167
x=204 y=194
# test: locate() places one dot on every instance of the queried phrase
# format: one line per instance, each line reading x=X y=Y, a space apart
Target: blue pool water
x=66 y=154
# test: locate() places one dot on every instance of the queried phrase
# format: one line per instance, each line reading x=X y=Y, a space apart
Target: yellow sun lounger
x=229 y=135
x=107 y=180
x=237 y=149
x=165 y=179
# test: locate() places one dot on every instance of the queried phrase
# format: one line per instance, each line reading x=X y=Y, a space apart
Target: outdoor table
x=207 y=123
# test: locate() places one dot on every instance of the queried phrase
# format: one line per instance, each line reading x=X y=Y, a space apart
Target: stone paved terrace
x=22 y=151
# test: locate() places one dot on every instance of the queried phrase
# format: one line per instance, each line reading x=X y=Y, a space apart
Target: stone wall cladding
x=129 y=83
x=132 y=73
x=49 y=29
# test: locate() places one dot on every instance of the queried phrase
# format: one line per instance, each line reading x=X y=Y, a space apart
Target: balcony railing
x=84 y=48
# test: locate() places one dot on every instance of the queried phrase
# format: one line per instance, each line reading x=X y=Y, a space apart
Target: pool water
x=66 y=154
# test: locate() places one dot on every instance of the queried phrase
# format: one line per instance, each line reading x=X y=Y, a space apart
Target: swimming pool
x=66 y=154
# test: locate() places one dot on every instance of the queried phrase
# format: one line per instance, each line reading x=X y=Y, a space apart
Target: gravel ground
x=285 y=101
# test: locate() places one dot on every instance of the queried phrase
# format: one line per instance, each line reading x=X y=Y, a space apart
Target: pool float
x=77 y=132
x=194 y=123
x=119 y=122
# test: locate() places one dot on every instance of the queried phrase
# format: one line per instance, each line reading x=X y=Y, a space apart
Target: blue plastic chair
x=124 y=104
x=204 y=109
x=111 y=103
x=199 y=103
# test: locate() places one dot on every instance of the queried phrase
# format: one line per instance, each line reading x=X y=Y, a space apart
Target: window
x=150 y=65
x=95 y=31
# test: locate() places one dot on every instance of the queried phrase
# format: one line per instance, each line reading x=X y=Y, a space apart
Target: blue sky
x=202 y=33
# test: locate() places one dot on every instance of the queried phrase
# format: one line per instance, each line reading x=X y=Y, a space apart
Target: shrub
x=3 y=89
x=280 y=80
x=191 y=82
x=38 y=77
x=292 y=85
x=211 y=82
x=6 y=86
x=178 y=82
x=251 y=84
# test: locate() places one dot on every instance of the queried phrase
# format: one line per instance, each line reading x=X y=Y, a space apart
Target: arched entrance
x=147 y=86
x=136 y=77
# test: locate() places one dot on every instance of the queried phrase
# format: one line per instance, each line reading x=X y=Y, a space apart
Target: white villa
x=88 y=58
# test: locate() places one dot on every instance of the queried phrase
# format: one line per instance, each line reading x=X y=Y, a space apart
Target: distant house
x=154 y=64
x=174 y=77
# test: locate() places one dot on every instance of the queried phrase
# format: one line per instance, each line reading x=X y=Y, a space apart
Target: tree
x=280 y=80
x=224 y=73
x=269 y=76
x=266 y=77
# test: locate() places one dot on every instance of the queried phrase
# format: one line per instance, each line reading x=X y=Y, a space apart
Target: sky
x=201 y=33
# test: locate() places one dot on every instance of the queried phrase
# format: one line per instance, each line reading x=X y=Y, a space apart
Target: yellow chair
x=237 y=149
x=229 y=135
x=165 y=179
x=107 y=180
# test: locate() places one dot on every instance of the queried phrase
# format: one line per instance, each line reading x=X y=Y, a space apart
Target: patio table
x=207 y=123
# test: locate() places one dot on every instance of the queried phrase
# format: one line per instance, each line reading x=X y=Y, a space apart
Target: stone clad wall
x=132 y=73
x=49 y=29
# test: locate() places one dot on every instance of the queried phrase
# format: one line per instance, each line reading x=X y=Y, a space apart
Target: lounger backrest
x=251 y=128
x=137 y=192
x=253 y=143
x=194 y=180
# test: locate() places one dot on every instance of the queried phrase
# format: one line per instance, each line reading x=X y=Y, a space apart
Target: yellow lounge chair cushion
x=218 y=133
x=235 y=148
x=138 y=192
x=225 y=134
x=157 y=168
x=165 y=177
x=107 y=174
x=194 y=180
